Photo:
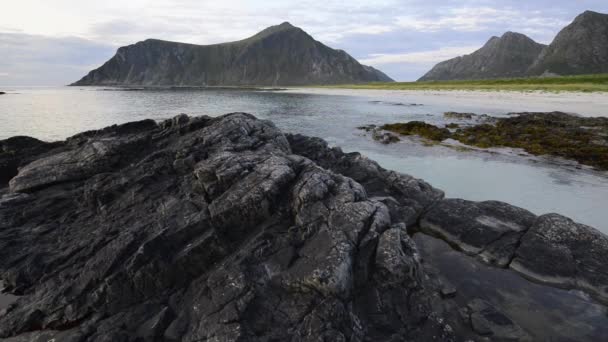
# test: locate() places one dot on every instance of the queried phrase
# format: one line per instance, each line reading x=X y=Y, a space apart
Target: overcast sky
x=57 y=42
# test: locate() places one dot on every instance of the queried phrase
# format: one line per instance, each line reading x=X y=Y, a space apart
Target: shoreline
x=585 y=104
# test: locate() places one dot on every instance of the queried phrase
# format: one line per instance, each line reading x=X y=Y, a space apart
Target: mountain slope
x=508 y=56
x=278 y=55
x=580 y=48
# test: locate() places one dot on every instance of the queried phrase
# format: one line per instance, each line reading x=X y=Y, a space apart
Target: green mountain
x=280 y=55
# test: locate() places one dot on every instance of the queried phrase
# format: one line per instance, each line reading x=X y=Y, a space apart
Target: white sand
x=586 y=104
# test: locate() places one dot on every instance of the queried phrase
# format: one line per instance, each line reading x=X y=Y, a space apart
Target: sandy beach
x=586 y=104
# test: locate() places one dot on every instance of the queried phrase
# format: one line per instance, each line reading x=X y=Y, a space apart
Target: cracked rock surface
x=226 y=229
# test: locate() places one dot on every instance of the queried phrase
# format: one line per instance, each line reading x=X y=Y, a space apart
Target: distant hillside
x=580 y=48
x=508 y=56
x=279 y=55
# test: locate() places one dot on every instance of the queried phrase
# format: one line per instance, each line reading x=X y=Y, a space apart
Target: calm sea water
x=537 y=185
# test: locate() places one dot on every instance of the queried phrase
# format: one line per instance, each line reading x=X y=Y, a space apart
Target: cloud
x=473 y=19
x=399 y=35
x=39 y=60
x=420 y=57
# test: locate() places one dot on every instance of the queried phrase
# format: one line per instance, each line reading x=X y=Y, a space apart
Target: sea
x=539 y=184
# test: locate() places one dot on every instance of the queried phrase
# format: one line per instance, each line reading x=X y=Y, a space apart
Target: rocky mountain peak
x=507 y=56
x=589 y=15
x=579 y=48
x=278 y=55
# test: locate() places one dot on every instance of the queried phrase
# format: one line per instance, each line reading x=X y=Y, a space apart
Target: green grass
x=579 y=83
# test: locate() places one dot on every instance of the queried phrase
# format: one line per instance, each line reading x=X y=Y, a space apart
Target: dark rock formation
x=279 y=55
x=550 y=249
x=19 y=151
x=2 y=93
x=508 y=56
x=580 y=48
x=491 y=230
x=224 y=229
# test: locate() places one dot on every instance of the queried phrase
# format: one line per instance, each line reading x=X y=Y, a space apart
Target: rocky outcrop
x=209 y=229
x=508 y=56
x=19 y=151
x=279 y=55
x=580 y=48
x=550 y=249
x=225 y=229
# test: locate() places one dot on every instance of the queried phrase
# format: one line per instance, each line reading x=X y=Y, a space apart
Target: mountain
x=580 y=48
x=508 y=56
x=279 y=55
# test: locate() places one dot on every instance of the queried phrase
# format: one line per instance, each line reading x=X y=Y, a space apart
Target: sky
x=57 y=42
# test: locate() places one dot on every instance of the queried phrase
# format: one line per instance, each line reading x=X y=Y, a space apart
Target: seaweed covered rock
x=419 y=128
x=582 y=139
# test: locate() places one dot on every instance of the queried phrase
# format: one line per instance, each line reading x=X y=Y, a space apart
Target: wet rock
x=419 y=128
x=447 y=290
x=490 y=230
x=561 y=252
x=485 y=320
x=459 y=116
x=551 y=249
x=380 y=135
x=384 y=137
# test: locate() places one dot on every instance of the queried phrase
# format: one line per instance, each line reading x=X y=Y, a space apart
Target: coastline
x=585 y=104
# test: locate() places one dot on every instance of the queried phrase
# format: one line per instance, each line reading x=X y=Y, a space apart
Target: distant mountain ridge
x=280 y=55
x=579 y=48
x=508 y=56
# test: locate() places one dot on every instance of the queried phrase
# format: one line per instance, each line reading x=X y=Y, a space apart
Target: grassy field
x=580 y=83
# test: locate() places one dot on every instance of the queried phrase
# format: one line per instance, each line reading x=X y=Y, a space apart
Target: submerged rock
x=225 y=229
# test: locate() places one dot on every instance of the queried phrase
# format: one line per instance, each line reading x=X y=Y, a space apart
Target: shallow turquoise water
x=539 y=186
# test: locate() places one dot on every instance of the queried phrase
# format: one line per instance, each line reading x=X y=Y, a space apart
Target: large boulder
x=208 y=229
